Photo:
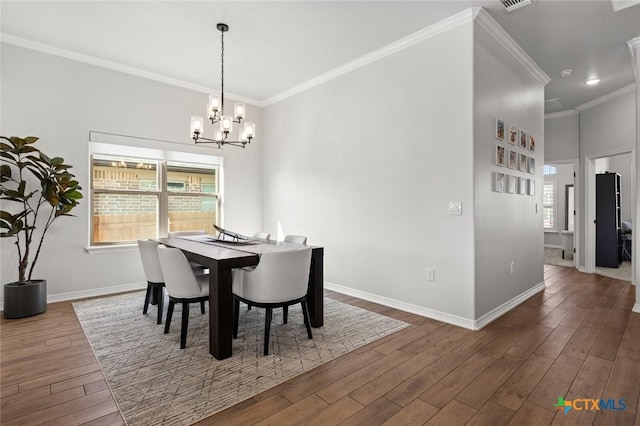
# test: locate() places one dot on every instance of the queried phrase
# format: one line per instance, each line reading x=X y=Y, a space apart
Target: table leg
x=315 y=293
x=220 y=313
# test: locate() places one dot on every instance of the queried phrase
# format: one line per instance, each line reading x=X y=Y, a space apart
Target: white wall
x=365 y=165
x=605 y=129
x=602 y=165
x=368 y=168
x=508 y=227
x=562 y=137
x=60 y=101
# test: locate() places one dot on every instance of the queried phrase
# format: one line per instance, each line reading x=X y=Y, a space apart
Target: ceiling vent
x=511 y=5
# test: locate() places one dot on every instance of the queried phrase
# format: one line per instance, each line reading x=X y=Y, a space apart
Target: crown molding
x=464 y=17
x=634 y=50
x=68 y=54
x=504 y=39
x=623 y=4
x=609 y=96
x=560 y=114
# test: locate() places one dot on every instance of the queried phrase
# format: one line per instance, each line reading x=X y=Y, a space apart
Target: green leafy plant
x=23 y=167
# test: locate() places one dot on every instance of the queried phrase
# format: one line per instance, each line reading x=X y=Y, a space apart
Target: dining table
x=220 y=257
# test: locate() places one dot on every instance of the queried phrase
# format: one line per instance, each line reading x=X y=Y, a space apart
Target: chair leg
x=236 y=316
x=146 y=299
x=169 y=315
x=202 y=307
x=305 y=314
x=185 y=324
x=267 y=329
x=160 y=305
x=285 y=313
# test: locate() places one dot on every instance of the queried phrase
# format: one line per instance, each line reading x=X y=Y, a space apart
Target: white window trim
x=162 y=154
x=552 y=179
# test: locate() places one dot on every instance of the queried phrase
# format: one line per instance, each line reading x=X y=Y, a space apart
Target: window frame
x=551 y=179
x=162 y=193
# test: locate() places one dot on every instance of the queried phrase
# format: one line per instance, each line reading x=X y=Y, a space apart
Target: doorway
x=622 y=165
x=559 y=208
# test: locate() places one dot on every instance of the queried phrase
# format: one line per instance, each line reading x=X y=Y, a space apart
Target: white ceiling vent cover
x=511 y=5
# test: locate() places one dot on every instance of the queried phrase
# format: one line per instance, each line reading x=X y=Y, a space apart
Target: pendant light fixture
x=223 y=124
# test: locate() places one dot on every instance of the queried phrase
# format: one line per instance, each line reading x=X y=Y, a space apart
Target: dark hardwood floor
x=577 y=339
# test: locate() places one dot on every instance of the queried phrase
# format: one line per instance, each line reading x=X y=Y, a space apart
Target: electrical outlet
x=513 y=268
x=431 y=274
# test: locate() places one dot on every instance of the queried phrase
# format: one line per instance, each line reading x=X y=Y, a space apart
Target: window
x=550 y=169
x=549 y=199
x=129 y=200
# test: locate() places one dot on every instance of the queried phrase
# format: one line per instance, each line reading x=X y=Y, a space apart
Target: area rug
x=155 y=382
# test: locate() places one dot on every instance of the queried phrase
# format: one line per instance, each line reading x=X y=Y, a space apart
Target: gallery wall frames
x=499 y=156
x=517 y=155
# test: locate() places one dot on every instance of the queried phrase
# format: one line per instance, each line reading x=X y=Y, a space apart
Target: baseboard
x=636 y=308
x=403 y=306
x=507 y=306
x=103 y=291
x=438 y=315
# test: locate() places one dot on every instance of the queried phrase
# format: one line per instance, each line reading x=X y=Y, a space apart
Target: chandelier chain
x=222 y=73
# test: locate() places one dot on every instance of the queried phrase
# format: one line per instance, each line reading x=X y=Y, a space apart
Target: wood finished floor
x=576 y=339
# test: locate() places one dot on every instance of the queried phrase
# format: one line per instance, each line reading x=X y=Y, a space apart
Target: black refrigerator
x=608 y=231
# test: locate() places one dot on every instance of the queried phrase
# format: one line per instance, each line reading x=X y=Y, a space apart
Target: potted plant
x=35 y=190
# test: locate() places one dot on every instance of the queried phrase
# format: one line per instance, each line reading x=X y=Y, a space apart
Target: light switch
x=455 y=208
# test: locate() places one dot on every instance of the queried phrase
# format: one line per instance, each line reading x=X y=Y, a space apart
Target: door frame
x=576 y=205
x=590 y=207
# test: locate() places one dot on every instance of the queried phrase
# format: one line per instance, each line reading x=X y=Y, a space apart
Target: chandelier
x=215 y=113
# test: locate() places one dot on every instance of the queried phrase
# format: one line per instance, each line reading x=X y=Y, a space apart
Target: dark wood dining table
x=220 y=258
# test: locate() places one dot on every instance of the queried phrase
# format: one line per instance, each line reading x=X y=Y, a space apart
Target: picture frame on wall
x=531 y=187
x=524 y=136
x=522 y=187
x=511 y=184
x=523 y=163
x=499 y=156
x=532 y=165
x=532 y=143
x=499 y=181
x=500 y=129
x=514 y=134
x=512 y=159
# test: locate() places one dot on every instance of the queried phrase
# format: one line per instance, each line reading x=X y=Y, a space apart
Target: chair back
x=279 y=277
x=295 y=239
x=175 y=234
x=150 y=262
x=262 y=235
x=179 y=279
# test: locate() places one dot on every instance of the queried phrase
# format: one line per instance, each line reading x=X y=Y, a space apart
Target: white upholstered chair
x=183 y=286
x=262 y=235
x=175 y=234
x=153 y=273
x=295 y=239
x=280 y=279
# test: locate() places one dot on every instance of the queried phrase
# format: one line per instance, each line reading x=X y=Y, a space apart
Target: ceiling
x=272 y=47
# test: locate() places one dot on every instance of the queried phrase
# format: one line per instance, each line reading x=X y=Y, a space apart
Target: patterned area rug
x=156 y=383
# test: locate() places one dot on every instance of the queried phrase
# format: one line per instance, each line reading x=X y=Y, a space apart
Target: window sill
x=111 y=249
x=550 y=231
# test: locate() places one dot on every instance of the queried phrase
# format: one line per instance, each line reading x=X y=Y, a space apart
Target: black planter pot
x=25 y=300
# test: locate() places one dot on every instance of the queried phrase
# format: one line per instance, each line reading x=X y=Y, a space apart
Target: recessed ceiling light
x=592 y=81
x=565 y=73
